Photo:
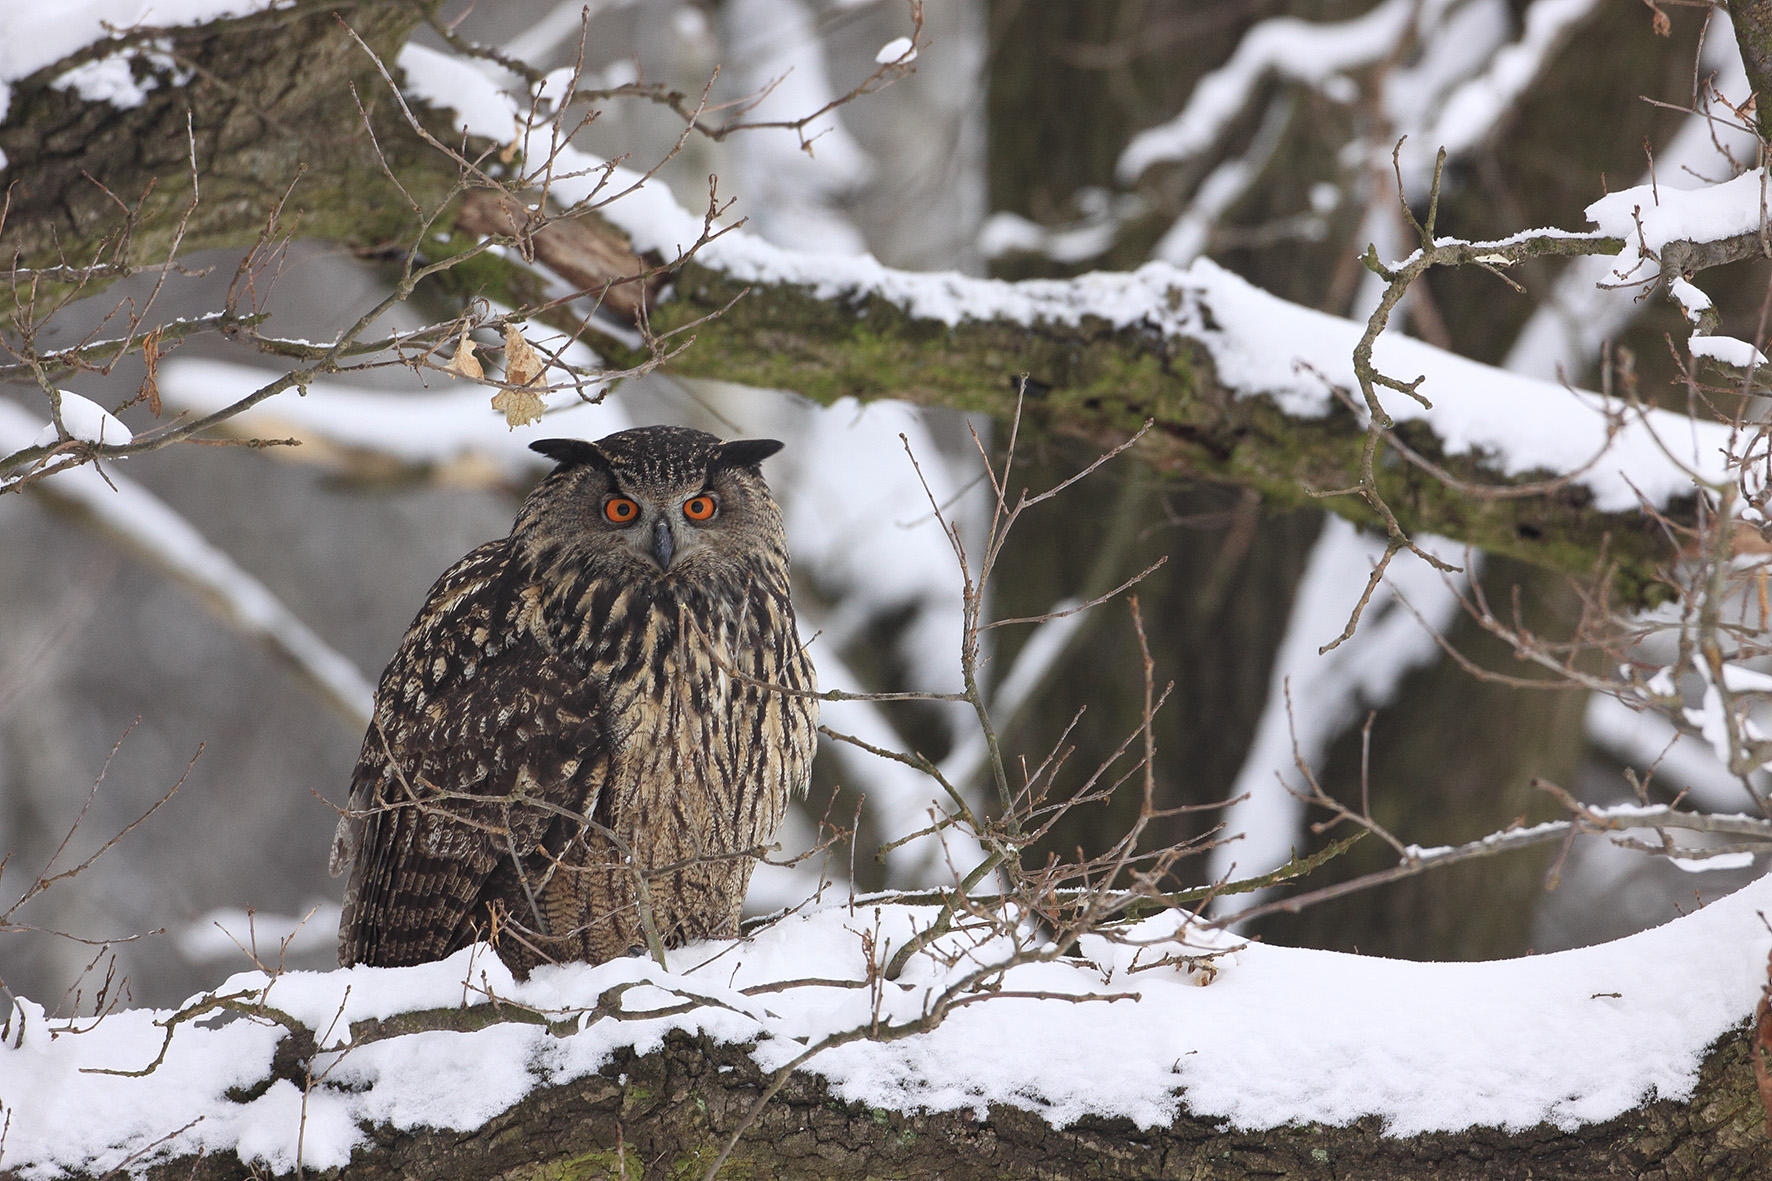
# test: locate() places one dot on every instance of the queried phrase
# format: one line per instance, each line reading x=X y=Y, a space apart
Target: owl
x=594 y=725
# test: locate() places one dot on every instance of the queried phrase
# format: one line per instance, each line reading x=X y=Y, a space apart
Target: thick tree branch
x=1102 y=383
x=665 y=1114
x=269 y=101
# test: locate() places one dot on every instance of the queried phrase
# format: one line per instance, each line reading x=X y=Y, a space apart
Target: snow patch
x=899 y=49
x=1727 y=349
x=87 y=421
x=1661 y=213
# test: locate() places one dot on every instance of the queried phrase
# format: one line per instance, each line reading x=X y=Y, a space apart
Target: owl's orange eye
x=699 y=508
x=620 y=510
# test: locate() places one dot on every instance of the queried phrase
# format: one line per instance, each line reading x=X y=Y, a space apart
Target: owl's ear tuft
x=571 y=452
x=743 y=453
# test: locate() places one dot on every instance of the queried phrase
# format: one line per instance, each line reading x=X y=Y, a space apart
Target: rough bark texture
x=665 y=1115
x=270 y=100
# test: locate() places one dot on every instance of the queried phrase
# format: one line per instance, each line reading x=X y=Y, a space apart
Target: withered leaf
x=522 y=363
x=151 y=358
x=464 y=362
x=521 y=407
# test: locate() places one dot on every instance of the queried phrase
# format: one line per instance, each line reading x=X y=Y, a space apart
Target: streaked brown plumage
x=564 y=699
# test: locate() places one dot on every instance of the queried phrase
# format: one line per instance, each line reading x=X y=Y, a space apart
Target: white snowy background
x=1566 y=1038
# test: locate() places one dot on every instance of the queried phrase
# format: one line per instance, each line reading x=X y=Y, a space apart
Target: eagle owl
x=593 y=724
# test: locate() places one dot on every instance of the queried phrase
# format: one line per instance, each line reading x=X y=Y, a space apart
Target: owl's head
x=659 y=502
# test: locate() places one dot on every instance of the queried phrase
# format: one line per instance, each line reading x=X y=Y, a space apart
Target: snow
x=1445 y=76
x=1721 y=726
x=1654 y=215
x=1692 y=301
x=454 y=83
x=1589 y=306
x=794 y=186
x=1644 y=739
x=34 y=36
x=109 y=79
x=1739 y=860
x=1007 y=233
x=895 y=51
x=1566 y=1039
x=1473 y=112
x=1726 y=349
x=1223 y=187
x=1518 y=424
x=87 y=421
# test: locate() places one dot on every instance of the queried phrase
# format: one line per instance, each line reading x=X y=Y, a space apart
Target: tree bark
x=269 y=109
x=667 y=1114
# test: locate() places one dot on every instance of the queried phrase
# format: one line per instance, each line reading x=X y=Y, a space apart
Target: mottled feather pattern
x=563 y=700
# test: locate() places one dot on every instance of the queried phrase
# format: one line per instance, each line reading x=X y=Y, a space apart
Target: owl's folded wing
x=484 y=755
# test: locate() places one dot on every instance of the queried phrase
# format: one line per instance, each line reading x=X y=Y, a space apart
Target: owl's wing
x=472 y=712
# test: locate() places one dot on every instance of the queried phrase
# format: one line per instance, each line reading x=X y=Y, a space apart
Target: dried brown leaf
x=464 y=362
x=521 y=407
x=151 y=358
x=522 y=363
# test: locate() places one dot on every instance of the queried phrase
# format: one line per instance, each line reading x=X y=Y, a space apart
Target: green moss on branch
x=1101 y=383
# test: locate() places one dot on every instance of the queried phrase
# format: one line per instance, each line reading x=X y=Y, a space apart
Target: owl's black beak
x=663 y=544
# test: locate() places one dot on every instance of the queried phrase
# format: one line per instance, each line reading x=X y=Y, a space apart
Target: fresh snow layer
x=1279 y=1035
x=896 y=50
x=87 y=421
x=1652 y=215
x=1727 y=349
